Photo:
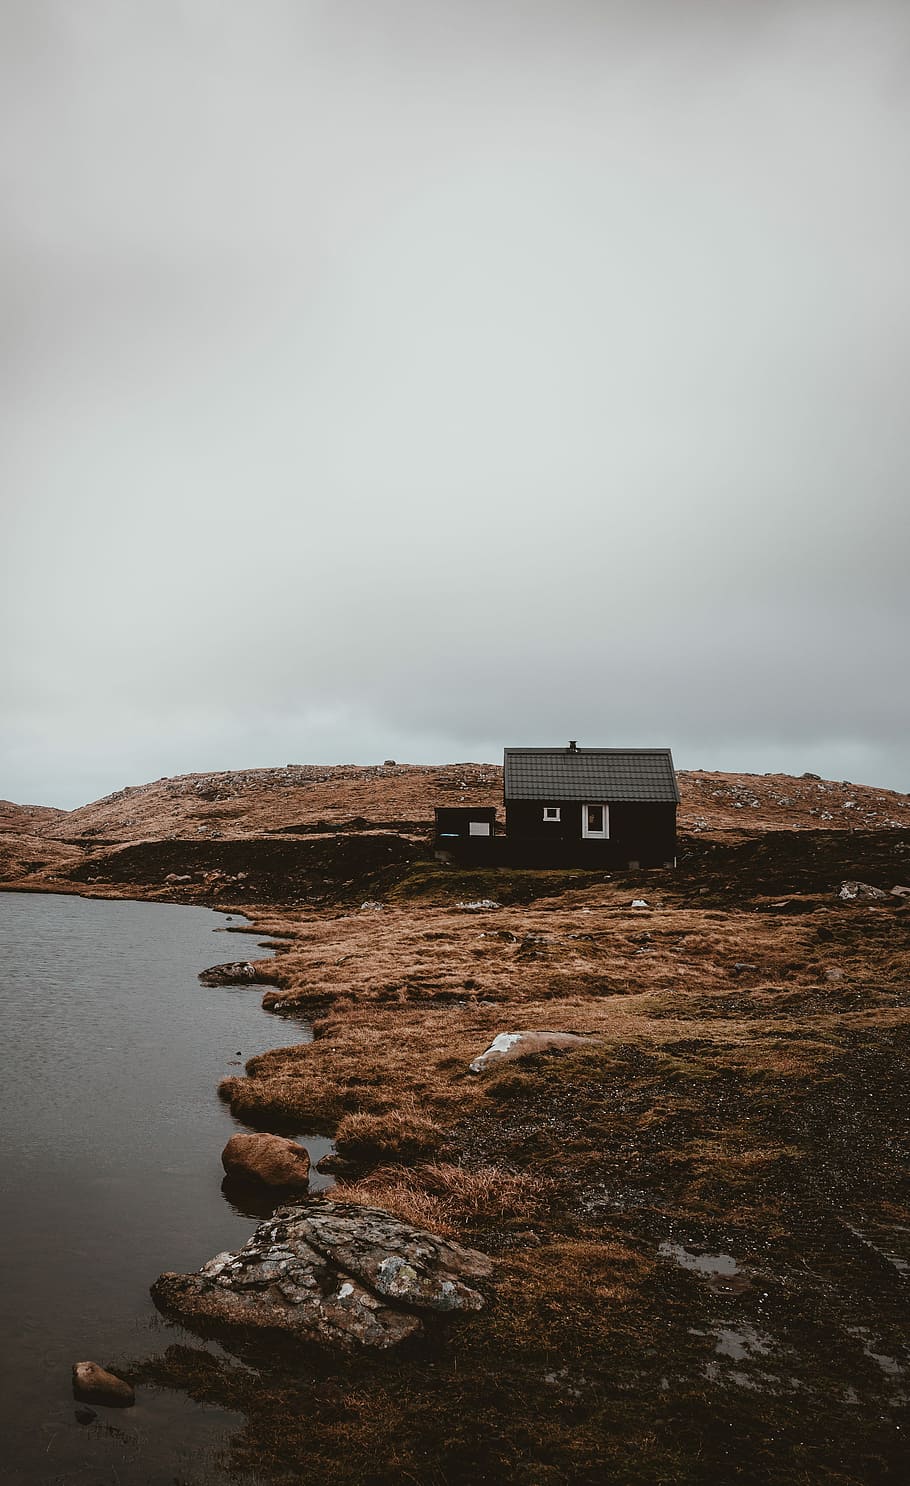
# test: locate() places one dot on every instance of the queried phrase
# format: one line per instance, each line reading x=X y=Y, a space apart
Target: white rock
x=507 y=1046
x=861 y=892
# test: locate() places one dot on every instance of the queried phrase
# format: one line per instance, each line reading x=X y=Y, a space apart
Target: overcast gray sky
x=406 y=379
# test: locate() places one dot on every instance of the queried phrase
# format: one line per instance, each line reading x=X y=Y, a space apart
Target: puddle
x=741 y=1343
x=762 y=1382
x=721 y=1271
x=710 y=1264
x=888 y=1365
x=890 y=1242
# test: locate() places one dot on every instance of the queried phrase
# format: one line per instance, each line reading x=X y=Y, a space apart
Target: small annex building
x=590 y=807
x=456 y=823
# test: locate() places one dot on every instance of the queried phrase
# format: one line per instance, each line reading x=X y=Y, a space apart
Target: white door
x=595 y=822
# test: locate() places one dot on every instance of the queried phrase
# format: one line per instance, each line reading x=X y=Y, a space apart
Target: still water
x=111 y=1133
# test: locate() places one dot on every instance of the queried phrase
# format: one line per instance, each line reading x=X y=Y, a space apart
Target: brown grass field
x=700 y=1224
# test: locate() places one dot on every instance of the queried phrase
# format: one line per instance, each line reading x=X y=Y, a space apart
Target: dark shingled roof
x=592 y=775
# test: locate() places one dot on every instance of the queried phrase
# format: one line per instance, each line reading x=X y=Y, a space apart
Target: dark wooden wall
x=638 y=833
x=454 y=820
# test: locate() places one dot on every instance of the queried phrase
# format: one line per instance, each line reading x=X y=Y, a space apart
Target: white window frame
x=479 y=828
x=552 y=812
x=589 y=835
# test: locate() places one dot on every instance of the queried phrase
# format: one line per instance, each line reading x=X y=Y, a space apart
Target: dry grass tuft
x=400 y=1135
x=282 y=1102
x=449 y=1199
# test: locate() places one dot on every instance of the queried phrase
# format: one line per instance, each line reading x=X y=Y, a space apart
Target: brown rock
x=96 y=1385
x=267 y=1158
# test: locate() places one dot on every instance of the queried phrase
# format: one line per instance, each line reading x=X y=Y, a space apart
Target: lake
x=110 y=1169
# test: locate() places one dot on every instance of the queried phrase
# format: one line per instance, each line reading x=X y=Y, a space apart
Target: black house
x=591 y=806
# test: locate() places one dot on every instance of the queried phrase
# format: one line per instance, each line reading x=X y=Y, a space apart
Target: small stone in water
x=93 y=1382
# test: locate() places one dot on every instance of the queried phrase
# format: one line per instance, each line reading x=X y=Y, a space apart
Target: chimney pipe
x=573 y=746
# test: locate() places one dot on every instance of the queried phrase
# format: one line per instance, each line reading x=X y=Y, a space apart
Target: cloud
x=454 y=375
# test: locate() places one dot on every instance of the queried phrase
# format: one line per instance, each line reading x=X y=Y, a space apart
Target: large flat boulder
x=341 y=1275
x=402 y=1264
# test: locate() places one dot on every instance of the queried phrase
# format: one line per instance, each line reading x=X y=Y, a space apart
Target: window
x=478 y=828
x=595 y=821
x=551 y=812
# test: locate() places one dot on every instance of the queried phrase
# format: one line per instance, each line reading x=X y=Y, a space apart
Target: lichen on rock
x=344 y=1276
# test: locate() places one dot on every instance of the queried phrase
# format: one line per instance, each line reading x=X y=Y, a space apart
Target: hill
x=258 y=801
x=299 y=833
x=28 y=818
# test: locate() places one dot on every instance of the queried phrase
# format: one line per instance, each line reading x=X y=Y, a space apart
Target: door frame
x=588 y=835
